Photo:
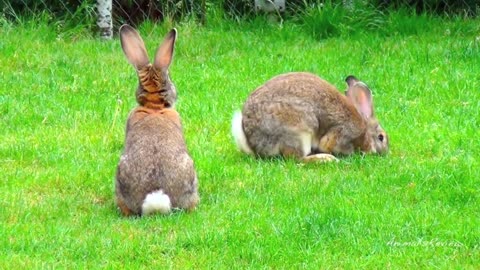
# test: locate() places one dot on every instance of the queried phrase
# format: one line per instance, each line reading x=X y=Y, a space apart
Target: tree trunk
x=104 y=20
x=203 y=16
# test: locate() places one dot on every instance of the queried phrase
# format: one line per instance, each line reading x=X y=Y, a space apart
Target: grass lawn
x=64 y=101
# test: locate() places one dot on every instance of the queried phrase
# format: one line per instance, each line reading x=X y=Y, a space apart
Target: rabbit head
x=361 y=97
x=155 y=89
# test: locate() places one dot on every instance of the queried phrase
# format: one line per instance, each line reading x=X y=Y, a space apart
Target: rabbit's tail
x=239 y=134
x=156 y=202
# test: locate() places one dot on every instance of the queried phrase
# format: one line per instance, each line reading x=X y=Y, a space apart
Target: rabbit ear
x=164 y=54
x=133 y=47
x=351 y=80
x=361 y=97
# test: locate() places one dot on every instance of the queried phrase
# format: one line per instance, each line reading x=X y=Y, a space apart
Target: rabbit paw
x=320 y=158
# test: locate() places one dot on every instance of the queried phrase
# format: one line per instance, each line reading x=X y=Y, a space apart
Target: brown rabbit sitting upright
x=301 y=115
x=155 y=172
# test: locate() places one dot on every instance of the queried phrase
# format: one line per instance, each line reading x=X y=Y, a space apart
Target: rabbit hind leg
x=124 y=208
x=297 y=146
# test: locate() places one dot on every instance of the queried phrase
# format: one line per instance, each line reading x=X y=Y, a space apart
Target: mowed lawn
x=64 y=100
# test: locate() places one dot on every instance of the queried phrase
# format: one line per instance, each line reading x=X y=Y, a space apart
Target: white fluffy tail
x=156 y=202
x=239 y=134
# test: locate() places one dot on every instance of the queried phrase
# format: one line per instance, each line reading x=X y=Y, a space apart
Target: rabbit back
x=155 y=158
x=290 y=114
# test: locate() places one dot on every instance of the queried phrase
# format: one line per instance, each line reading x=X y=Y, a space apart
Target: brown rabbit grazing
x=155 y=172
x=301 y=115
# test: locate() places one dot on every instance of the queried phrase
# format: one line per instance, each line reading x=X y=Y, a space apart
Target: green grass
x=64 y=101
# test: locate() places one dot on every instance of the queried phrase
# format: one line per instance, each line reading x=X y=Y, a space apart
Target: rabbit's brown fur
x=155 y=172
x=299 y=114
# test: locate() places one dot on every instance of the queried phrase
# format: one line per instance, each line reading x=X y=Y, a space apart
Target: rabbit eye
x=380 y=137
